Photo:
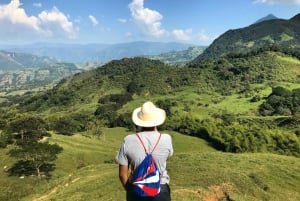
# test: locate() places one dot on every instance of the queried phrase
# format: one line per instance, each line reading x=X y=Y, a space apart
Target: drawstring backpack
x=146 y=177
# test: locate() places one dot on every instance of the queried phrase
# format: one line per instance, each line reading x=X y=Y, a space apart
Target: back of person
x=132 y=153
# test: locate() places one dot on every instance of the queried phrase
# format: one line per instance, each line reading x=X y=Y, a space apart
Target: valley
x=233 y=116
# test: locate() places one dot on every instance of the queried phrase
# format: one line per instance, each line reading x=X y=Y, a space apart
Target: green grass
x=85 y=170
x=289 y=60
x=204 y=105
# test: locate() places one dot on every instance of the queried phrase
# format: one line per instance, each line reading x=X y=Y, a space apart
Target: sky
x=196 y=22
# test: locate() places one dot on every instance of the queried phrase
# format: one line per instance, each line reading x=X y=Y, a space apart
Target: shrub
x=66 y=126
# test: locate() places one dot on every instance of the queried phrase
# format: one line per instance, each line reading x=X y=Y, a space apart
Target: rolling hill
x=19 y=70
x=197 y=97
x=243 y=74
x=284 y=33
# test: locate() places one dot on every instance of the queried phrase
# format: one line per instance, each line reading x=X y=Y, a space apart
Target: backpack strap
x=144 y=145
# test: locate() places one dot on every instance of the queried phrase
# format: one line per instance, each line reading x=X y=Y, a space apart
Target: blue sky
x=120 y=21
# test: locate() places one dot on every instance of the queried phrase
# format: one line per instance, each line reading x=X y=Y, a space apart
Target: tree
x=5 y=139
x=32 y=152
x=166 y=104
x=36 y=155
x=30 y=127
x=95 y=128
x=281 y=91
x=66 y=126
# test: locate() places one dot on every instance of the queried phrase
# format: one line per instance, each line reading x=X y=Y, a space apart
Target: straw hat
x=148 y=115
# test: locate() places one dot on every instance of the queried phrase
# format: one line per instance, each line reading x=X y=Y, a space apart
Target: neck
x=149 y=128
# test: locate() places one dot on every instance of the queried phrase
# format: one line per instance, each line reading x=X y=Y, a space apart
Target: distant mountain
x=19 y=70
x=279 y=32
x=179 y=57
x=77 y=53
x=18 y=61
x=23 y=70
x=268 y=17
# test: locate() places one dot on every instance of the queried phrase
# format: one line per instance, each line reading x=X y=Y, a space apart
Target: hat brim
x=160 y=116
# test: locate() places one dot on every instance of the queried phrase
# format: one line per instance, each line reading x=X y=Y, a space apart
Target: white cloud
x=38 y=5
x=278 y=1
x=93 y=20
x=56 y=23
x=11 y=14
x=182 y=35
x=204 y=38
x=15 y=24
x=149 y=20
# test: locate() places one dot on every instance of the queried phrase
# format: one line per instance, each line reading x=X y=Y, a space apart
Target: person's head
x=148 y=116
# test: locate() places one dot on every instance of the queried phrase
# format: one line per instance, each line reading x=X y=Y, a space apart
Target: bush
x=235 y=136
x=66 y=126
x=281 y=102
x=5 y=139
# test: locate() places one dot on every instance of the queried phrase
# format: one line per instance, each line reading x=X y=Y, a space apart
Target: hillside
x=278 y=32
x=85 y=170
x=226 y=94
x=38 y=77
x=225 y=147
x=246 y=75
x=27 y=71
x=23 y=71
x=179 y=57
x=10 y=61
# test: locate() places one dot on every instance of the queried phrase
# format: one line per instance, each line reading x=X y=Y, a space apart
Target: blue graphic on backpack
x=146 y=177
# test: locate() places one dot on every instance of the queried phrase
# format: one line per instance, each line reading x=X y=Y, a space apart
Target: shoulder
x=166 y=137
x=130 y=137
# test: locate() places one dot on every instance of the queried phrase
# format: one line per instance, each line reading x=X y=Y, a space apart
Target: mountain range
x=23 y=70
x=78 y=53
x=10 y=61
x=19 y=70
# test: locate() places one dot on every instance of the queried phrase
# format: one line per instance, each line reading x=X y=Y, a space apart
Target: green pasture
x=86 y=170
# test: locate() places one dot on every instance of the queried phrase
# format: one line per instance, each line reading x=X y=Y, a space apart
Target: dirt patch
x=214 y=192
x=54 y=190
x=218 y=192
x=45 y=196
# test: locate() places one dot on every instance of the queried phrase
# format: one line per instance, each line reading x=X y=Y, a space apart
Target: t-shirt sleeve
x=171 y=147
x=121 y=156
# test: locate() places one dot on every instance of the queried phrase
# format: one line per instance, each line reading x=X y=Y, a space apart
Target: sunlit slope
x=86 y=171
x=276 y=32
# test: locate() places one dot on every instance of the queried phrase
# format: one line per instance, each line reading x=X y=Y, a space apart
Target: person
x=131 y=153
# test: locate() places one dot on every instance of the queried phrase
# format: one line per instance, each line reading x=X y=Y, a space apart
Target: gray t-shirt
x=132 y=153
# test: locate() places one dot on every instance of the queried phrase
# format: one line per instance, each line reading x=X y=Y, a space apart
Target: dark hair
x=148 y=128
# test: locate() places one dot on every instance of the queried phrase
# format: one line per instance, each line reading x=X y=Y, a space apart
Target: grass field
x=85 y=170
